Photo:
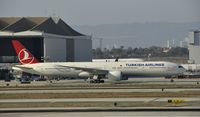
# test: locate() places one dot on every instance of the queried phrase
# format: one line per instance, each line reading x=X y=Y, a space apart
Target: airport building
x=194 y=46
x=48 y=38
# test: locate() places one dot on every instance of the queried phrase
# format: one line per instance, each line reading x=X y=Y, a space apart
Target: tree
x=139 y=52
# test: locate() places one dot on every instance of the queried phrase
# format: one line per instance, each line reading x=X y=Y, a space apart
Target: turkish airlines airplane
x=114 y=71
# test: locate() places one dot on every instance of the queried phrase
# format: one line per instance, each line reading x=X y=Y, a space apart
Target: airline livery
x=96 y=71
x=24 y=56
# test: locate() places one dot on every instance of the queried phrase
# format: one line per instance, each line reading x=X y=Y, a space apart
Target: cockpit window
x=180 y=66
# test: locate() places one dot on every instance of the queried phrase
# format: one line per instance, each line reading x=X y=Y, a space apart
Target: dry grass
x=101 y=86
x=97 y=95
x=87 y=104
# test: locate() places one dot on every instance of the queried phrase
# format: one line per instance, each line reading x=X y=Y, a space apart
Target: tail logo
x=24 y=57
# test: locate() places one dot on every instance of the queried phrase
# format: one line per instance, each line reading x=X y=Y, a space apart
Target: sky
x=96 y=12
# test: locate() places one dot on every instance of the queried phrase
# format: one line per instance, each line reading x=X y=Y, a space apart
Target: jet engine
x=84 y=74
x=115 y=75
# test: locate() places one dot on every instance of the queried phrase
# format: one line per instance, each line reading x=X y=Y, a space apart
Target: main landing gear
x=96 y=81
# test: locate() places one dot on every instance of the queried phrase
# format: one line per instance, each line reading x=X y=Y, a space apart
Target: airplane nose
x=184 y=70
x=181 y=69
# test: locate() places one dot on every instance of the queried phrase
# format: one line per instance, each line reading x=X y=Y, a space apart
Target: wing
x=91 y=70
x=22 y=67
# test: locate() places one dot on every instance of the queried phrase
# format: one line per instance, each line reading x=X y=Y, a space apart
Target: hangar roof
x=52 y=25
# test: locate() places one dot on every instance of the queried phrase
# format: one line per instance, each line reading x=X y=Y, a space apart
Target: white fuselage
x=128 y=69
x=119 y=60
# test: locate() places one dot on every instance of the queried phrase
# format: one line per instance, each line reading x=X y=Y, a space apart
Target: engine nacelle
x=115 y=75
x=84 y=74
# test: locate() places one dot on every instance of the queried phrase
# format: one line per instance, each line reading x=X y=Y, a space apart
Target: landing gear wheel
x=96 y=81
x=101 y=81
x=172 y=80
x=91 y=81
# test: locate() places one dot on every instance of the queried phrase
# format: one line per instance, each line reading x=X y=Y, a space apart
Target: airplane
x=96 y=71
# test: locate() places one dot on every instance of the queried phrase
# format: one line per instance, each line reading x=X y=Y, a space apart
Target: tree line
x=130 y=52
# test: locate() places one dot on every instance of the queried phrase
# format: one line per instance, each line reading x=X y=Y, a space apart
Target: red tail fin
x=24 y=56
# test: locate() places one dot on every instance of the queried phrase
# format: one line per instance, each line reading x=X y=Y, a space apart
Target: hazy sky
x=94 y=12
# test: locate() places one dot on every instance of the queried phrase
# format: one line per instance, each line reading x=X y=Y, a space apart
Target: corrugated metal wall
x=55 y=49
x=82 y=49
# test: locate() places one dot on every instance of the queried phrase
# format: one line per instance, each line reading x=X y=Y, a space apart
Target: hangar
x=50 y=39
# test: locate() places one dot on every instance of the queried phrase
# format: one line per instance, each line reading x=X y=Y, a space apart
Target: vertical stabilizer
x=24 y=56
